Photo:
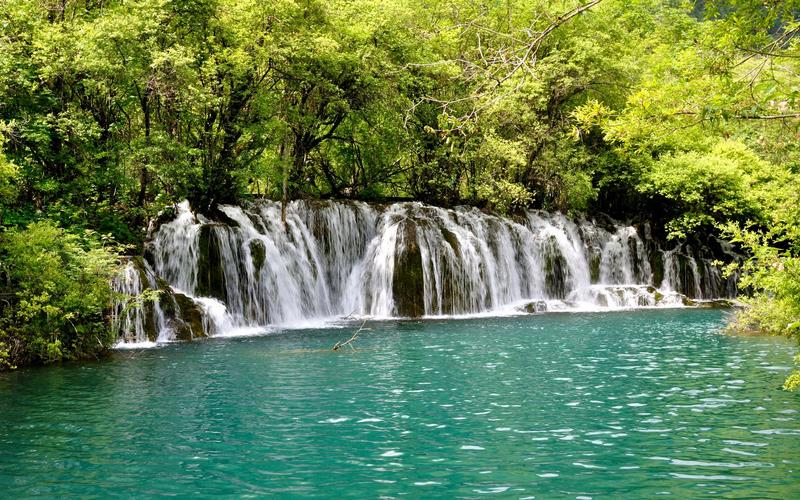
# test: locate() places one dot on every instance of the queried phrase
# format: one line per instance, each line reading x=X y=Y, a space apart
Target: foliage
x=503 y=196
x=729 y=183
x=8 y=176
x=683 y=113
x=793 y=381
x=55 y=294
x=773 y=275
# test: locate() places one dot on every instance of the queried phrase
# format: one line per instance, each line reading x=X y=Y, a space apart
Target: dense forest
x=686 y=114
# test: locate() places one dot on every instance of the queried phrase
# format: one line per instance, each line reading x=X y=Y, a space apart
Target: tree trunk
x=285 y=171
x=144 y=177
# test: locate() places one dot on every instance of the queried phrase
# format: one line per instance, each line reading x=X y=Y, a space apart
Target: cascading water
x=335 y=259
x=133 y=316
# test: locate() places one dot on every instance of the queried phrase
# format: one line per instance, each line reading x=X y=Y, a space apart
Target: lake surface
x=561 y=405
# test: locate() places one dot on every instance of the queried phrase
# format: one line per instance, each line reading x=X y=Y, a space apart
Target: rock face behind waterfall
x=246 y=269
x=167 y=315
x=408 y=290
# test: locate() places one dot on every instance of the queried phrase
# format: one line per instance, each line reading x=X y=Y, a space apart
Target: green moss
x=188 y=321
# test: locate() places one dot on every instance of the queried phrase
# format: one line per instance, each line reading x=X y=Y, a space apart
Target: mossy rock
x=165 y=216
x=221 y=217
x=535 y=307
x=633 y=251
x=188 y=320
x=148 y=315
x=718 y=304
x=408 y=279
x=452 y=240
x=258 y=254
x=686 y=283
x=451 y=299
x=210 y=273
x=556 y=273
x=656 y=259
x=594 y=266
x=141 y=269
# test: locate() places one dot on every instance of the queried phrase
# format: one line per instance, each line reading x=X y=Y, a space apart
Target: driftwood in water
x=352 y=339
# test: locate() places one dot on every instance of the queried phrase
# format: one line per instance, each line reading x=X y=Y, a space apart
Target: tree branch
x=352 y=339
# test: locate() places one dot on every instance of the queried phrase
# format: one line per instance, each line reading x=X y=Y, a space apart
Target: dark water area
x=639 y=403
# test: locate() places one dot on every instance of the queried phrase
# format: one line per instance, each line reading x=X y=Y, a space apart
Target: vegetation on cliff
x=683 y=113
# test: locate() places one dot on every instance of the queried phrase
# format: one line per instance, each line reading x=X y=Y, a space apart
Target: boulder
x=188 y=321
x=534 y=307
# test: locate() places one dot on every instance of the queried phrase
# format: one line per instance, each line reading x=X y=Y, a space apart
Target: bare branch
x=785 y=116
x=352 y=339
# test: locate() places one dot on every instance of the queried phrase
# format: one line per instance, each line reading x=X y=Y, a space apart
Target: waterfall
x=132 y=316
x=246 y=269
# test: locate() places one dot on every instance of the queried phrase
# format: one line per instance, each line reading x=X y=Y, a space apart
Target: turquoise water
x=625 y=404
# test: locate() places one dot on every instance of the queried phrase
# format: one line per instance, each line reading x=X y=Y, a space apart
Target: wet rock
x=188 y=320
x=210 y=274
x=656 y=259
x=408 y=282
x=594 y=266
x=258 y=253
x=535 y=307
x=686 y=276
x=556 y=272
x=221 y=217
x=147 y=307
x=452 y=240
x=165 y=216
x=717 y=304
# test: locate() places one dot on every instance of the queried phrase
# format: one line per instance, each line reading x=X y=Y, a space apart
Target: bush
x=772 y=275
x=55 y=295
x=728 y=183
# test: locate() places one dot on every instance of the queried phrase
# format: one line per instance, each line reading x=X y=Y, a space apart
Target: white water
x=131 y=313
x=335 y=259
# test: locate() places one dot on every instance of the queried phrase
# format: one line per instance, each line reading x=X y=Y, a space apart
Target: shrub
x=55 y=290
x=728 y=183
